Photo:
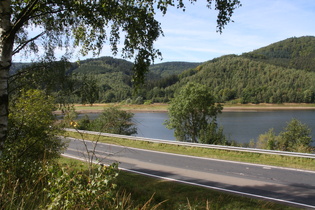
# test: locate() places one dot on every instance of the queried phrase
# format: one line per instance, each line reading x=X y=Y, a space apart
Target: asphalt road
x=280 y=184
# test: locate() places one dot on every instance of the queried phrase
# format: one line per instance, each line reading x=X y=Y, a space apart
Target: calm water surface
x=239 y=126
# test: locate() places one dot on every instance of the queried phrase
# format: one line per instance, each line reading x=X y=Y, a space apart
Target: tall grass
x=142 y=192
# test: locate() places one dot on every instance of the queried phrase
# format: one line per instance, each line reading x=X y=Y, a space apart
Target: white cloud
x=257 y=24
x=191 y=35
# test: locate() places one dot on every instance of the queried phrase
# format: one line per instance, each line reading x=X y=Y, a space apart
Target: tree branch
x=22 y=45
x=22 y=18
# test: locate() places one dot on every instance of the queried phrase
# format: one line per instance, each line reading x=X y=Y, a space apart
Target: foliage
x=52 y=186
x=18 y=192
x=267 y=140
x=32 y=132
x=212 y=135
x=88 y=26
x=295 y=138
x=96 y=23
x=32 y=144
x=166 y=69
x=102 y=65
x=89 y=89
x=29 y=175
x=191 y=111
x=147 y=102
x=111 y=120
x=80 y=190
x=63 y=87
x=235 y=77
x=32 y=138
x=297 y=53
x=248 y=78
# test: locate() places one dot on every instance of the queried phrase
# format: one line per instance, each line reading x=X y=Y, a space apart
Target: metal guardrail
x=209 y=146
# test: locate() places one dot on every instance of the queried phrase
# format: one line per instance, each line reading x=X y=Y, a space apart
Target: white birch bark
x=6 y=45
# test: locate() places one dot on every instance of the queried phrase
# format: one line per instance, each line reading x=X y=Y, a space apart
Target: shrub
x=295 y=138
x=31 y=145
x=148 y=102
x=81 y=190
x=32 y=134
x=111 y=120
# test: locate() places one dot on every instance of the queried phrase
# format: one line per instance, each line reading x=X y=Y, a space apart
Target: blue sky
x=191 y=35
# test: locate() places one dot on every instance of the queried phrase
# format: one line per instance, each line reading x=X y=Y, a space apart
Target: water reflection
x=239 y=126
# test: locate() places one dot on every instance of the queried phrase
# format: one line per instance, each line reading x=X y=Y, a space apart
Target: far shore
x=159 y=107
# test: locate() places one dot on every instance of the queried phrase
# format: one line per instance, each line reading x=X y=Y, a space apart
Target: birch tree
x=87 y=25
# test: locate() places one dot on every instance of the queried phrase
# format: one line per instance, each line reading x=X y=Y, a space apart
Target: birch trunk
x=6 y=46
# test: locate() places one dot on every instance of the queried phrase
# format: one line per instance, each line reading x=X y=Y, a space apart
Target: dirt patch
x=98 y=108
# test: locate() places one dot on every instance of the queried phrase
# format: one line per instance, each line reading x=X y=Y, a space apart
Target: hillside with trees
x=279 y=73
x=283 y=72
x=171 y=68
x=114 y=77
x=249 y=81
x=297 y=53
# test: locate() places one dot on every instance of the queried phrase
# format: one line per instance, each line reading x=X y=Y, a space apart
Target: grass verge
x=265 y=159
x=172 y=195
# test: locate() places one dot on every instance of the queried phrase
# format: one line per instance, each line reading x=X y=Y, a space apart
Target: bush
x=31 y=145
x=212 y=135
x=148 y=102
x=81 y=190
x=54 y=187
x=295 y=138
x=111 y=120
x=32 y=134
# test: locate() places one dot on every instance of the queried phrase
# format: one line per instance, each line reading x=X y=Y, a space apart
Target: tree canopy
x=191 y=111
x=87 y=25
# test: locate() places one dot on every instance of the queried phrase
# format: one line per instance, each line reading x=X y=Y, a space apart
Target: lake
x=239 y=126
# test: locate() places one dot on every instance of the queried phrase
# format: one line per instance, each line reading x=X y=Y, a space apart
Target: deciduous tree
x=88 y=25
x=192 y=113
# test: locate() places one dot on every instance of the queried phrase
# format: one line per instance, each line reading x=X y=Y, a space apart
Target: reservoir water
x=239 y=126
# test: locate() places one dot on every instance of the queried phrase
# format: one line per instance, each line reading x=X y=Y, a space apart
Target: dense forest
x=278 y=73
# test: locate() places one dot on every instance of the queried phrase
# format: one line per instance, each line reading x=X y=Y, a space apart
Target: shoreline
x=98 y=108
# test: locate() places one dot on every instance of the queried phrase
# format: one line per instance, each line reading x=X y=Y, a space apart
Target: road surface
x=291 y=186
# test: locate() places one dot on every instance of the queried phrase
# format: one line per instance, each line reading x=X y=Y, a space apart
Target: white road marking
x=206 y=186
x=205 y=158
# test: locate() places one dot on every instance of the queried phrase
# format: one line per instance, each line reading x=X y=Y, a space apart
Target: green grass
x=273 y=160
x=173 y=195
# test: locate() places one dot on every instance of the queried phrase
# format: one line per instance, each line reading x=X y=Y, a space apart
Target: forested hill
x=298 y=53
x=281 y=72
x=278 y=73
x=171 y=68
x=249 y=81
x=114 y=76
x=105 y=65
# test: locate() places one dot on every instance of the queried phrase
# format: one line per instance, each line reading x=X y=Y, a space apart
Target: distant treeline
x=279 y=73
